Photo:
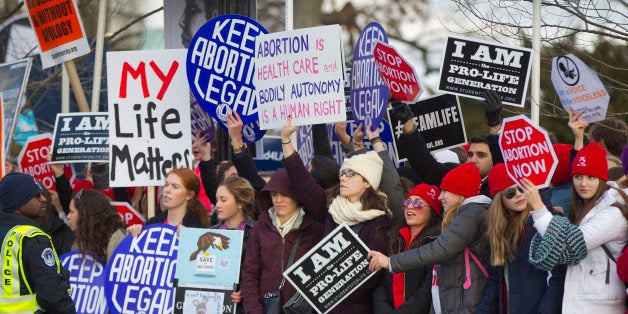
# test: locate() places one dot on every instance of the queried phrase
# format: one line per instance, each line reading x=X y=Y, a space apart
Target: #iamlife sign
x=299 y=74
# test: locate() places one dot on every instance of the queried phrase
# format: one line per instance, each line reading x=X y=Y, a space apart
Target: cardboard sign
x=149 y=116
x=139 y=276
x=13 y=79
x=202 y=122
x=33 y=160
x=470 y=66
x=220 y=67
x=331 y=270
x=81 y=137
x=385 y=133
x=579 y=87
x=398 y=75
x=369 y=94
x=209 y=257
x=527 y=150
x=59 y=30
x=87 y=282
x=438 y=119
x=128 y=214
x=299 y=74
x=203 y=300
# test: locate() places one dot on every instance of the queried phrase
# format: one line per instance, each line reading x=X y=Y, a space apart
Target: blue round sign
x=139 y=276
x=220 y=66
x=369 y=94
x=87 y=282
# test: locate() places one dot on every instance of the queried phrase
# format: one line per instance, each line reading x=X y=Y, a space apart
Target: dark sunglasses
x=511 y=192
x=416 y=204
x=77 y=196
x=348 y=173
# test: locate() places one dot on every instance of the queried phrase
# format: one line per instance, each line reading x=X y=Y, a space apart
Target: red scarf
x=399 y=279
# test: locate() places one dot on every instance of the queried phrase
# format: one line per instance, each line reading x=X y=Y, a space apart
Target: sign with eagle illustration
x=209 y=257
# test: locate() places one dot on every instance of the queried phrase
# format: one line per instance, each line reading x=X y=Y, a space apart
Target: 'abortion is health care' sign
x=299 y=74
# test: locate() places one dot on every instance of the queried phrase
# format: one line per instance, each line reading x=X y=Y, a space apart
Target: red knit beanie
x=498 y=179
x=561 y=174
x=591 y=161
x=463 y=180
x=429 y=194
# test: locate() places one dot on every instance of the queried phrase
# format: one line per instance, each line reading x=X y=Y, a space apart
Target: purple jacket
x=267 y=253
x=373 y=232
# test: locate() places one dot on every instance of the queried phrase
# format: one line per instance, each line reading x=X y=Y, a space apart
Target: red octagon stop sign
x=33 y=160
x=128 y=214
x=398 y=75
x=527 y=151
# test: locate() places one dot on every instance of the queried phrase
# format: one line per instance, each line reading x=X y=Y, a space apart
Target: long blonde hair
x=505 y=228
x=450 y=211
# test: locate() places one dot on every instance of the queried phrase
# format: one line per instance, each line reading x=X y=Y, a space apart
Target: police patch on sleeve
x=48 y=257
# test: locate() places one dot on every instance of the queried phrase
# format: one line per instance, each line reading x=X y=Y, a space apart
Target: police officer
x=36 y=282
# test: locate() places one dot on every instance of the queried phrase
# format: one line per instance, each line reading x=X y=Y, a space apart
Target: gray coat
x=466 y=229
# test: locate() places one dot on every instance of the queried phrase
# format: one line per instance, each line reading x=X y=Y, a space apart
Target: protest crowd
x=452 y=230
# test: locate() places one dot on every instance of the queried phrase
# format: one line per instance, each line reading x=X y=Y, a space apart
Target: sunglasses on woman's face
x=416 y=204
x=511 y=192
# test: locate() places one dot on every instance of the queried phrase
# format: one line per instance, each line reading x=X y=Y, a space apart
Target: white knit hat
x=368 y=165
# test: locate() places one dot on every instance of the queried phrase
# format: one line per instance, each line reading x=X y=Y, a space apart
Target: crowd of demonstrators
x=514 y=284
x=451 y=247
x=97 y=226
x=34 y=279
x=410 y=292
x=459 y=252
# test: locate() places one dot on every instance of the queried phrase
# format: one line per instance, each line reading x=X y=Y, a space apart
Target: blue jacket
x=528 y=291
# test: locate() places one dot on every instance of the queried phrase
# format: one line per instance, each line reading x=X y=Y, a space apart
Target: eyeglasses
x=511 y=192
x=77 y=196
x=416 y=204
x=348 y=173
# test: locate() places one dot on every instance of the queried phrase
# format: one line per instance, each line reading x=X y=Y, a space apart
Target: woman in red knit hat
x=461 y=250
x=410 y=291
x=593 y=237
x=515 y=285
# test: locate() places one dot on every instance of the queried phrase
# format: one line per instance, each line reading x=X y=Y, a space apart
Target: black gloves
x=401 y=111
x=492 y=108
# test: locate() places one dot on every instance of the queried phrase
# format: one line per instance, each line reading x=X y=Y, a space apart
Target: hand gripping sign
x=527 y=150
x=368 y=95
x=398 y=75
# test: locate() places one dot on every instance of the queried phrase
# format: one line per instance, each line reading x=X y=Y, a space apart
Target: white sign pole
x=535 y=101
x=289 y=15
x=100 y=43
